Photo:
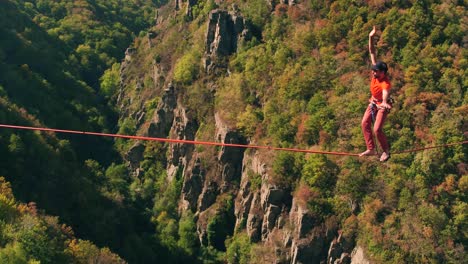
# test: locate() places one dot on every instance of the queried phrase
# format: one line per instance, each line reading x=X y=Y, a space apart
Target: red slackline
x=211 y=143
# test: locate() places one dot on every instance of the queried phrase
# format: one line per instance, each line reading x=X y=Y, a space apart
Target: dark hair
x=380 y=66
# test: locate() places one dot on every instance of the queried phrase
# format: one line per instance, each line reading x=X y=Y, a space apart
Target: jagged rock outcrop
x=309 y=237
x=339 y=251
x=259 y=208
x=151 y=35
x=229 y=158
x=203 y=186
x=225 y=172
x=226 y=30
x=247 y=204
x=303 y=220
x=358 y=256
x=122 y=100
x=183 y=128
x=158 y=73
x=188 y=11
x=268 y=212
x=135 y=155
x=193 y=186
x=163 y=118
x=190 y=4
x=128 y=53
x=210 y=192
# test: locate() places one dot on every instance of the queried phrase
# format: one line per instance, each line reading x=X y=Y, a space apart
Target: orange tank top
x=376 y=88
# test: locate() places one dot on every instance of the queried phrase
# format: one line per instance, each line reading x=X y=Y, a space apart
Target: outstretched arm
x=372 y=46
x=385 y=104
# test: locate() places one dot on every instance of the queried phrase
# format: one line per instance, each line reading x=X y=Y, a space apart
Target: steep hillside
x=29 y=236
x=286 y=74
x=296 y=75
x=52 y=55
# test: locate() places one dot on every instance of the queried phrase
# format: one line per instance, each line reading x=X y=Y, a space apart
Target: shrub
x=239 y=249
x=249 y=120
x=110 y=80
x=187 y=68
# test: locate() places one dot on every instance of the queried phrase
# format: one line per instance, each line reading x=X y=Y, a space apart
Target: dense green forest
x=52 y=54
x=299 y=81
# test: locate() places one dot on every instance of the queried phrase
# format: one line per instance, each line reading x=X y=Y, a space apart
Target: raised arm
x=372 y=46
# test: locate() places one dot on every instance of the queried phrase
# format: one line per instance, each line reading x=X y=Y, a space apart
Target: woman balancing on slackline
x=379 y=106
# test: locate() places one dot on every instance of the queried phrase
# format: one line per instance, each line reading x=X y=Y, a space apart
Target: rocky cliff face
x=226 y=31
x=268 y=212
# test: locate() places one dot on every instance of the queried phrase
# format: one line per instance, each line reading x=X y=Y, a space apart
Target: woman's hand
x=372 y=33
x=385 y=106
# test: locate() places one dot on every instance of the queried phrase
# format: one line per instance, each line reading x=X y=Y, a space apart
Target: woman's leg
x=366 y=125
x=378 y=130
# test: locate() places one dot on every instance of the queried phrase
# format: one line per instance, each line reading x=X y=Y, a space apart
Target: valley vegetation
x=300 y=81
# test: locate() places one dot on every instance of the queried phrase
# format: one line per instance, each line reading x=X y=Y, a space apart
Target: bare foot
x=385 y=156
x=369 y=152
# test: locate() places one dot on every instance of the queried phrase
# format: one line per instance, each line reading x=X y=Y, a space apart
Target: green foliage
x=354 y=180
x=84 y=251
x=14 y=254
x=127 y=127
x=8 y=209
x=187 y=67
x=281 y=128
x=257 y=12
x=230 y=102
x=167 y=230
x=249 y=120
x=95 y=169
x=32 y=237
x=320 y=174
x=199 y=99
x=170 y=193
x=144 y=190
x=2 y=92
x=210 y=255
x=36 y=242
x=221 y=225
x=287 y=167
x=203 y=8
x=301 y=81
x=188 y=239
x=239 y=249
x=321 y=118
x=16 y=145
x=174 y=232
x=110 y=80
x=117 y=176
x=278 y=28
x=255 y=180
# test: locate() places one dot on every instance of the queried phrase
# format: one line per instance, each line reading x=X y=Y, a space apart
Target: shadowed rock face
x=164 y=114
x=226 y=30
x=222 y=34
x=135 y=155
